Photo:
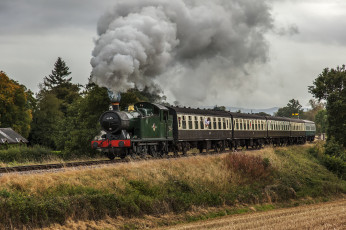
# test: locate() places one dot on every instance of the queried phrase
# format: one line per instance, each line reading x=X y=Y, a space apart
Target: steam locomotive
x=156 y=130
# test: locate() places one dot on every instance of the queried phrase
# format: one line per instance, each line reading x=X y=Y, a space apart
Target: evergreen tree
x=56 y=94
x=59 y=76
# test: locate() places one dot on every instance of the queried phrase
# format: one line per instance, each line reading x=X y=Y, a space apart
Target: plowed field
x=331 y=215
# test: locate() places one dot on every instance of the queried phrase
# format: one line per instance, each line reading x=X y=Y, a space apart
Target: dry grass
x=330 y=215
x=195 y=169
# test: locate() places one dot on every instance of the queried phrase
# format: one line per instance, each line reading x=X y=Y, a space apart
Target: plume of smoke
x=178 y=43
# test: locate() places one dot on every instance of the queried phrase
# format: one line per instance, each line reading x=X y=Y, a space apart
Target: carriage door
x=165 y=121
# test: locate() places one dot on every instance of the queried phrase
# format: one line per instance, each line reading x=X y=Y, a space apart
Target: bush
x=26 y=154
x=335 y=164
x=253 y=167
x=333 y=148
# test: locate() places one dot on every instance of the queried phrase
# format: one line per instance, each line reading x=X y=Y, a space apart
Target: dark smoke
x=188 y=46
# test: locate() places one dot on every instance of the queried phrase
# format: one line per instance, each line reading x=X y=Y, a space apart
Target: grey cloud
x=26 y=17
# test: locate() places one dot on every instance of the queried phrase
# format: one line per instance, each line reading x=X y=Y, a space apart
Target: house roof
x=7 y=135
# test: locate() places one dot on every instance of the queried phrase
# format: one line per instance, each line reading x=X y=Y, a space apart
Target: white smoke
x=178 y=43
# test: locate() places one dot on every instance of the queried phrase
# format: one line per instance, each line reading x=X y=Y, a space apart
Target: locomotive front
x=118 y=128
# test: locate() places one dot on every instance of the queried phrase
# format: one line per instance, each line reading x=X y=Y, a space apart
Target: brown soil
x=331 y=215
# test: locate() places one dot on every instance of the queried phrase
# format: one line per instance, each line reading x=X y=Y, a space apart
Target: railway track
x=27 y=168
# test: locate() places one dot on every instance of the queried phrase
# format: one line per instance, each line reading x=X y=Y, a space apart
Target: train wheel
x=110 y=155
x=153 y=151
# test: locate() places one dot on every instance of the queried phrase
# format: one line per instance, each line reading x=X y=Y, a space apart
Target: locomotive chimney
x=115 y=100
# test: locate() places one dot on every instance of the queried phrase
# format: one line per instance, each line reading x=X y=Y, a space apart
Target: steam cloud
x=186 y=46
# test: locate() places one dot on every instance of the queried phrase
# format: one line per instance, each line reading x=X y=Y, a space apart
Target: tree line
x=64 y=116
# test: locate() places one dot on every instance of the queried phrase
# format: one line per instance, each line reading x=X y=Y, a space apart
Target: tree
x=55 y=96
x=60 y=84
x=134 y=95
x=263 y=114
x=330 y=86
x=316 y=107
x=59 y=76
x=15 y=110
x=45 y=130
x=81 y=124
x=321 y=121
x=219 y=108
x=293 y=107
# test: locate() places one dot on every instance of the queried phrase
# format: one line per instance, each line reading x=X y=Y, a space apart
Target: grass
x=155 y=188
x=23 y=155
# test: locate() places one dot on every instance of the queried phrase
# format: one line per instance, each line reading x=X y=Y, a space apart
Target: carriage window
x=208 y=123
x=201 y=123
x=237 y=124
x=219 y=123
x=179 y=122
x=241 y=124
x=224 y=123
x=196 y=122
x=214 y=123
x=190 y=122
x=248 y=125
x=184 y=122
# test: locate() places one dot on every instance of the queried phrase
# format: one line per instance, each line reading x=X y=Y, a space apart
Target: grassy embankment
x=231 y=183
x=23 y=155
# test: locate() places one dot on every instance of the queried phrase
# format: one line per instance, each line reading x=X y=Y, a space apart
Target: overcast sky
x=307 y=36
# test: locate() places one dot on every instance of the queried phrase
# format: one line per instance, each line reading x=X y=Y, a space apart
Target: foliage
x=336 y=165
x=135 y=95
x=263 y=114
x=219 y=108
x=22 y=154
x=59 y=76
x=333 y=148
x=293 y=107
x=330 y=86
x=81 y=123
x=51 y=107
x=47 y=116
x=250 y=166
x=15 y=108
x=321 y=121
x=332 y=156
x=316 y=107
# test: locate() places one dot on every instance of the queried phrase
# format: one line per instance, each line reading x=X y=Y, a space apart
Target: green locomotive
x=147 y=129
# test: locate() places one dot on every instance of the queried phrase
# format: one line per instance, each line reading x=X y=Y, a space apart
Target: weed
x=253 y=167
